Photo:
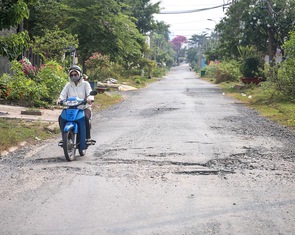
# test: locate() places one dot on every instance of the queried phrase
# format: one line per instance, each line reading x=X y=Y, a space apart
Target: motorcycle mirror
x=93 y=93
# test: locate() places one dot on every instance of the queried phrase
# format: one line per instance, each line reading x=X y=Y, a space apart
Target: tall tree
x=12 y=13
x=54 y=44
x=177 y=43
x=142 y=11
x=264 y=24
x=45 y=15
x=101 y=27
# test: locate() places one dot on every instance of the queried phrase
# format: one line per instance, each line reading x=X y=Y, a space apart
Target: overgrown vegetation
x=30 y=86
x=265 y=99
x=106 y=38
x=273 y=98
x=13 y=132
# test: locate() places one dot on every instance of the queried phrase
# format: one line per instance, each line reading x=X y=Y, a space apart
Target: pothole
x=157 y=111
x=49 y=160
x=205 y=172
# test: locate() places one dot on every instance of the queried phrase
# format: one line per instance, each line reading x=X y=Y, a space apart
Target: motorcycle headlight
x=71 y=102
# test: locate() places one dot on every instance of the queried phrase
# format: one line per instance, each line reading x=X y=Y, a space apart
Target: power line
x=192 y=11
x=193 y=21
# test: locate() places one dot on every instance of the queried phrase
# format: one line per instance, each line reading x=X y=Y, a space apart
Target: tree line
x=55 y=29
x=254 y=38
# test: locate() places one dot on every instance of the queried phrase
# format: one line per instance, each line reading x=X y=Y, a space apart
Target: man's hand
x=89 y=101
x=58 y=101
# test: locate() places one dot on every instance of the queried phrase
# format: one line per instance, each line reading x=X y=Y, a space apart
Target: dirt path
x=48 y=115
x=177 y=157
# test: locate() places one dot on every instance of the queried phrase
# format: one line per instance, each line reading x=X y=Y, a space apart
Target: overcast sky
x=187 y=24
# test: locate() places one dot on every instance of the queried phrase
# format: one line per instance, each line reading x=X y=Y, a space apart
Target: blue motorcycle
x=73 y=127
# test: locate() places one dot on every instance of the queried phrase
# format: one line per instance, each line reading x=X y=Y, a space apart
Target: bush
x=251 y=61
x=54 y=78
x=210 y=70
x=286 y=78
x=98 y=66
x=267 y=94
x=194 y=66
x=21 y=88
x=250 y=67
x=39 y=90
x=286 y=72
x=227 y=71
x=159 y=72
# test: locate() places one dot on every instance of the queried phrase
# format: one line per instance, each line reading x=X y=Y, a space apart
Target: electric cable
x=192 y=11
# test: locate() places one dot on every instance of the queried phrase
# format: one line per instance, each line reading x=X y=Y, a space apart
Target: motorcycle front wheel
x=69 y=145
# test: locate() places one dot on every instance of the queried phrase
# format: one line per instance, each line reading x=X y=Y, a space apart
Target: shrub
x=98 y=66
x=21 y=88
x=158 y=72
x=267 y=94
x=210 y=70
x=286 y=78
x=28 y=68
x=286 y=72
x=227 y=71
x=53 y=77
x=38 y=89
x=250 y=67
x=251 y=61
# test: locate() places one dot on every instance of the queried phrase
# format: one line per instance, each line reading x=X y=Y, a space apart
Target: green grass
x=103 y=101
x=263 y=100
x=13 y=132
x=283 y=113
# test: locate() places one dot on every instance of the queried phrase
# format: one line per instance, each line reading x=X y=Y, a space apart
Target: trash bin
x=203 y=73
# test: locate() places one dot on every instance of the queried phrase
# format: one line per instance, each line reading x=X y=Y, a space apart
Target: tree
x=192 y=55
x=101 y=27
x=163 y=29
x=161 y=51
x=45 y=14
x=264 y=24
x=53 y=44
x=177 y=43
x=12 y=13
x=142 y=11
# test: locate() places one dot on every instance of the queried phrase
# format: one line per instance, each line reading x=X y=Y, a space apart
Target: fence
x=36 y=60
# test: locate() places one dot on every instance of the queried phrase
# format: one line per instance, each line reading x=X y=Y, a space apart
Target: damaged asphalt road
x=177 y=157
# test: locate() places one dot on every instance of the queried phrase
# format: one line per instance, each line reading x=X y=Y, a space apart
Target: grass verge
x=262 y=100
x=13 y=132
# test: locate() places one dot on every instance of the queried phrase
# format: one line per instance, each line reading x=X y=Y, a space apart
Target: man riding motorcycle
x=79 y=88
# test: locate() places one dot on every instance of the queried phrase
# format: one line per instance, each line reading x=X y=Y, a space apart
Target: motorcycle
x=73 y=127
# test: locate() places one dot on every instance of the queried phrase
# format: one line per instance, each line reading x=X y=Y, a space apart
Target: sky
x=188 y=24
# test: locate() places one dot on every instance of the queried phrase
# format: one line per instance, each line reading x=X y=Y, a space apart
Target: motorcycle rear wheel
x=69 y=145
